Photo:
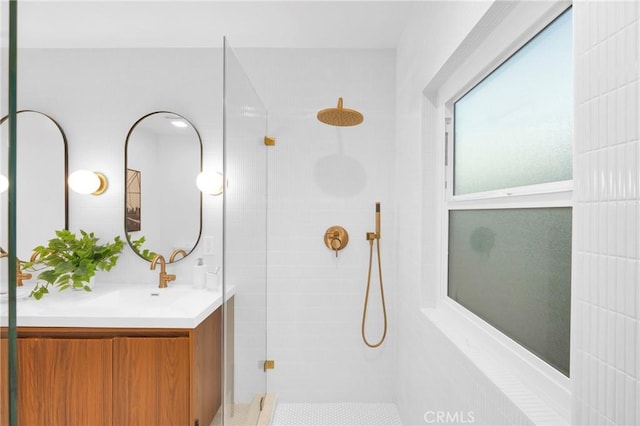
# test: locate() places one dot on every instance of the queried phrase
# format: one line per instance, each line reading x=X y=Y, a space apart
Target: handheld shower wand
x=378 y=220
x=375 y=235
x=371 y=236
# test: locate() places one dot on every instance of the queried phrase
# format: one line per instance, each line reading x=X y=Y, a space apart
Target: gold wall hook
x=336 y=238
x=269 y=364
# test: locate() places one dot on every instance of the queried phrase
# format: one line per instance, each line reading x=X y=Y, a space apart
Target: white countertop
x=117 y=306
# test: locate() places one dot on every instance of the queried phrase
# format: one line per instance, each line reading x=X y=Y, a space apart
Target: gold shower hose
x=366 y=298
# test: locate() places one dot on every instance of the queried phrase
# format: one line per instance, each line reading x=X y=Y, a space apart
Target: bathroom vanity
x=120 y=355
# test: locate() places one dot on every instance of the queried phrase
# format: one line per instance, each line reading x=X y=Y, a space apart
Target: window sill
x=544 y=396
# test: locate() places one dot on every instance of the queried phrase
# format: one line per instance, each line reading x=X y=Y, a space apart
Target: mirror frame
x=126 y=162
x=65 y=146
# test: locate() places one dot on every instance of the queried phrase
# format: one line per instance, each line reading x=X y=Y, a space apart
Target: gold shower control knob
x=336 y=238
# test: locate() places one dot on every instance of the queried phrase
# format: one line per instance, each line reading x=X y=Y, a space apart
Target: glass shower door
x=244 y=245
x=8 y=45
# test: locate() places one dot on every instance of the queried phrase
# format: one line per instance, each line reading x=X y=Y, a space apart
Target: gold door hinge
x=269 y=365
x=269 y=141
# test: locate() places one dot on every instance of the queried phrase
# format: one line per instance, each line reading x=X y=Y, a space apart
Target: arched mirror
x=163 y=156
x=41 y=176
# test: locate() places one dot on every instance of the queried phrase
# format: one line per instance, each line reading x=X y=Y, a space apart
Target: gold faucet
x=175 y=253
x=19 y=274
x=164 y=278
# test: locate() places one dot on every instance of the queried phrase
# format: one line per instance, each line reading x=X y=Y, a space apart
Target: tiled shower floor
x=334 y=414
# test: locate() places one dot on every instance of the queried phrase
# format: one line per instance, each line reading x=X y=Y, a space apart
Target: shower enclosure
x=244 y=245
x=295 y=302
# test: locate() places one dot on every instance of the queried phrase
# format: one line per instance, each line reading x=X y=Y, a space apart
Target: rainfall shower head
x=340 y=116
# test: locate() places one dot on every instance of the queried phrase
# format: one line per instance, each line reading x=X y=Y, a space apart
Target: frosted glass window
x=514 y=128
x=512 y=268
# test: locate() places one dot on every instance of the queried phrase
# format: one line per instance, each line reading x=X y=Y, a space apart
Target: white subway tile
x=601 y=74
x=611 y=392
x=601 y=402
x=612 y=280
x=632 y=346
x=621 y=117
x=632 y=390
x=619 y=58
x=589 y=23
x=585 y=328
x=610 y=61
x=610 y=229
x=603 y=193
x=632 y=111
x=621 y=227
x=602 y=337
x=586 y=378
x=609 y=173
x=632 y=229
x=621 y=283
x=633 y=183
x=593 y=180
x=631 y=44
x=632 y=292
x=611 y=338
x=620 y=399
x=620 y=168
x=603 y=116
x=602 y=281
x=621 y=344
x=601 y=242
x=594 y=281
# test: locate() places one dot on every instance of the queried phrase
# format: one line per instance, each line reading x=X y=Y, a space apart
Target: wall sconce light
x=211 y=183
x=87 y=182
x=4 y=183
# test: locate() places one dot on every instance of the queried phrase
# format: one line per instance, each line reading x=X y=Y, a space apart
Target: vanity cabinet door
x=151 y=381
x=64 y=381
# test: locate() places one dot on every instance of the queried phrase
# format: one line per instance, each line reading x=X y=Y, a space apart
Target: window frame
x=553 y=194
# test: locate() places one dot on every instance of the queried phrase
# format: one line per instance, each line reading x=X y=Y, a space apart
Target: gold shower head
x=340 y=116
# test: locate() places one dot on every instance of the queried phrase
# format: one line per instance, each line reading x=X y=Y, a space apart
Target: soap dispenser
x=199 y=274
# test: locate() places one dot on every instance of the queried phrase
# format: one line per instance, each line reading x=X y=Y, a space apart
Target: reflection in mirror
x=41 y=175
x=163 y=156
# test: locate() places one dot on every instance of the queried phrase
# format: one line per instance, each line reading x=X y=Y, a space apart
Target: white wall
x=96 y=95
x=605 y=363
x=434 y=374
x=320 y=176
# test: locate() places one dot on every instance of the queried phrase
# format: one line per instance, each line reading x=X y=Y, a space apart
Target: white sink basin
x=121 y=305
x=142 y=298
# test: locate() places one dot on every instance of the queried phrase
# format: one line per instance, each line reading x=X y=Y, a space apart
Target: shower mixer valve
x=336 y=238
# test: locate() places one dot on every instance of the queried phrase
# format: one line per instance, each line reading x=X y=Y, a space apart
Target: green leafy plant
x=68 y=261
x=136 y=245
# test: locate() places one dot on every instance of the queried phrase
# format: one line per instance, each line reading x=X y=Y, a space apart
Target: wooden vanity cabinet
x=151 y=381
x=96 y=376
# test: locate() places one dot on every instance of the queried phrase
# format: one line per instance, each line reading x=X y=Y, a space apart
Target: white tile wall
x=606 y=342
